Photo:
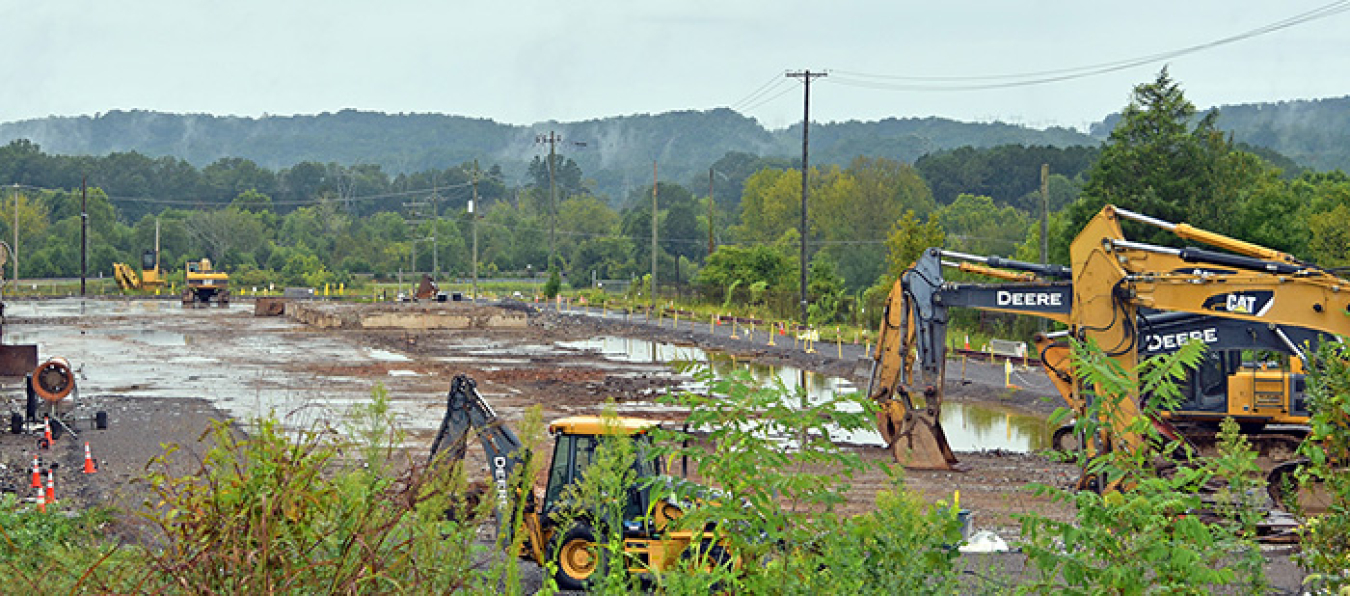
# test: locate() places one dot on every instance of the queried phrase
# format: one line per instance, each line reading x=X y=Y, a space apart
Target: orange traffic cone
x=46 y=432
x=37 y=472
x=89 y=467
x=41 y=500
x=51 y=487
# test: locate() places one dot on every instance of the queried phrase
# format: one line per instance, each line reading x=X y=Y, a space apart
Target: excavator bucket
x=913 y=433
x=915 y=437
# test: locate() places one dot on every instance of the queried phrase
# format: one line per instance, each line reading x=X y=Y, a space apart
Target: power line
x=1007 y=80
x=769 y=86
x=786 y=89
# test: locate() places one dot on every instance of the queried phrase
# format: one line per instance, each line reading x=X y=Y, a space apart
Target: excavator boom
x=466 y=411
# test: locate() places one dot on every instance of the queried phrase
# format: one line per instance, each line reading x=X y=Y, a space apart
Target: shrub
x=279 y=512
x=1146 y=531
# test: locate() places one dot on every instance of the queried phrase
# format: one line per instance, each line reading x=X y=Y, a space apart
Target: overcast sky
x=530 y=61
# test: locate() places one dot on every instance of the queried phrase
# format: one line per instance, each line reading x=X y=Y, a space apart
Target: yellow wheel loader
x=650 y=542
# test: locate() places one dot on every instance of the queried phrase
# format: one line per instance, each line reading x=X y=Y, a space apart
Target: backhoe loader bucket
x=915 y=437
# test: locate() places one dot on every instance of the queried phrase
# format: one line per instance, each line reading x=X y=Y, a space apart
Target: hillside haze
x=616 y=153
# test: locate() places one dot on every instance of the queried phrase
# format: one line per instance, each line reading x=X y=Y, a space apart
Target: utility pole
x=711 y=245
x=435 y=223
x=805 y=76
x=474 y=224
x=1045 y=224
x=16 y=234
x=84 y=232
x=552 y=139
x=1045 y=213
x=649 y=314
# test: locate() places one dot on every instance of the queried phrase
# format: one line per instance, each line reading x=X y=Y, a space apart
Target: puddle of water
x=156 y=337
x=969 y=427
x=89 y=307
x=273 y=369
x=386 y=355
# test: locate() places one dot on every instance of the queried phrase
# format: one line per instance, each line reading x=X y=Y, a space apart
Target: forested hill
x=616 y=153
x=1312 y=132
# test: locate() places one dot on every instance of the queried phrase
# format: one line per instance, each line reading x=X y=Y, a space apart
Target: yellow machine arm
x=913 y=330
x=1114 y=277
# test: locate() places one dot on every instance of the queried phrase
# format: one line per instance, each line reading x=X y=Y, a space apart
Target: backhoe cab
x=553 y=530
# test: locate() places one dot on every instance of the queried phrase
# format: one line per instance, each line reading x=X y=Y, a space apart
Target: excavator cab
x=1247 y=385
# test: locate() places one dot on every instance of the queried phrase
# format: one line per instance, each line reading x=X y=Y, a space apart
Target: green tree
x=1157 y=163
x=222 y=231
x=738 y=268
x=33 y=221
x=770 y=205
x=908 y=239
x=976 y=225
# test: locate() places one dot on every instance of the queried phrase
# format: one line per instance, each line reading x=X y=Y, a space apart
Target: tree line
x=733 y=237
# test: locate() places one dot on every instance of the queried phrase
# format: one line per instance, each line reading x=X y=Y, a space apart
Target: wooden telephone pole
x=805 y=76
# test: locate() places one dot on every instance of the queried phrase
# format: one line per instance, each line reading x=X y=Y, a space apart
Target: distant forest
x=616 y=153
x=307 y=200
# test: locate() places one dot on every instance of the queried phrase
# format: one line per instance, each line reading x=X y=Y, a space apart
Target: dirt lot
x=163 y=373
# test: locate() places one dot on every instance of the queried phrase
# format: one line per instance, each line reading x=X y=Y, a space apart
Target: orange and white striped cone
x=47 y=432
x=89 y=467
x=967 y=341
x=51 y=487
x=37 y=472
x=40 y=500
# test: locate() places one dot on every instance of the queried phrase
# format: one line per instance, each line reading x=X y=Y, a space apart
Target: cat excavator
x=551 y=534
x=1247 y=282
x=914 y=328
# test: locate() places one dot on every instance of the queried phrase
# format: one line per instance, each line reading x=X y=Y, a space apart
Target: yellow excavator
x=150 y=278
x=649 y=540
x=1247 y=283
x=1103 y=301
x=205 y=285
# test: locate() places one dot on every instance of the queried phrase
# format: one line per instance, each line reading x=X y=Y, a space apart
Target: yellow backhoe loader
x=650 y=542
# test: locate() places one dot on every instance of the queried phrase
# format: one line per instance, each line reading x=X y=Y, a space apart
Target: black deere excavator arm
x=465 y=412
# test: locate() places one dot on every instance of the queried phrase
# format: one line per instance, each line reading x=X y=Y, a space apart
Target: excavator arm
x=466 y=411
x=914 y=328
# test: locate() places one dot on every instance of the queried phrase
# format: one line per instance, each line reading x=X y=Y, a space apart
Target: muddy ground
x=163 y=373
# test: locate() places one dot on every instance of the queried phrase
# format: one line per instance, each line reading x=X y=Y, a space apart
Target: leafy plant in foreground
x=771 y=454
x=1148 y=531
x=284 y=512
x=1325 y=539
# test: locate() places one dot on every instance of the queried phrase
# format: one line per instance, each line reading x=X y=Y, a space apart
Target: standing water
x=969 y=427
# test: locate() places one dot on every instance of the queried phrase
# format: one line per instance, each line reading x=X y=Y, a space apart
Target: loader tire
x=1064 y=441
x=579 y=557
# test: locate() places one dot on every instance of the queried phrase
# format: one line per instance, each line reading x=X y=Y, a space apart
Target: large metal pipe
x=53 y=380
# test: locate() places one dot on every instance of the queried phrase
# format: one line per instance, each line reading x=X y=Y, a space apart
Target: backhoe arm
x=465 y=412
